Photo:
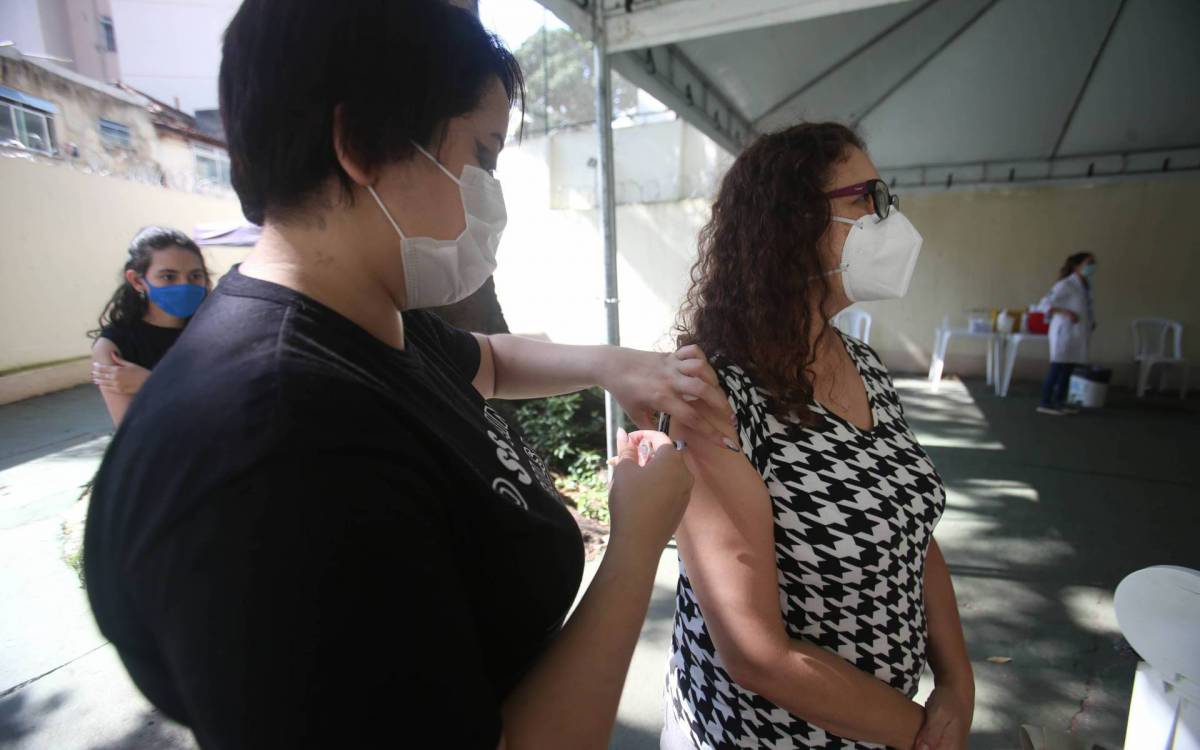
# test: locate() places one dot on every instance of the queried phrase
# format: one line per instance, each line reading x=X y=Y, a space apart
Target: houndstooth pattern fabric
x=854 y=512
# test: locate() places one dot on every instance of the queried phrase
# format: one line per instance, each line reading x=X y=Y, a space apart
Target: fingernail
x=731 y=445
x=733 y=419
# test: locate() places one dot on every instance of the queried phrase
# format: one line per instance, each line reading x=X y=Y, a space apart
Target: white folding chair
x=1158 y=341
x=856 y=323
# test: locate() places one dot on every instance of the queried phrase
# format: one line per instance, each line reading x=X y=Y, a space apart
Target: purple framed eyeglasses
x=881 y=196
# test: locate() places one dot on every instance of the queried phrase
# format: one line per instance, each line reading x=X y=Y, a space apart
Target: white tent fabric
x=945 y=91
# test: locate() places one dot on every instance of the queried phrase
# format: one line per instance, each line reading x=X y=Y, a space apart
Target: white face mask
x=879 y=256
x=442 y=272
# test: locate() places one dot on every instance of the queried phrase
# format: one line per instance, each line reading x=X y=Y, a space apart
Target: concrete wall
x=654 y=163
x=65 y=235
x=983 y=248
x=63 y=245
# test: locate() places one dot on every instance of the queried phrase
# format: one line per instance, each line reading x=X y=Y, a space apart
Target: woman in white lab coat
x=1069 y=305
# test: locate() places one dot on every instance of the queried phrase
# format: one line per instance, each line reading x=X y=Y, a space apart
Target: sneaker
x=1051 y=411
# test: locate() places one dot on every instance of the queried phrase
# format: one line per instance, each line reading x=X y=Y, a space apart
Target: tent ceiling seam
x=845 y=60
x=1087 y=79
x=921 y=65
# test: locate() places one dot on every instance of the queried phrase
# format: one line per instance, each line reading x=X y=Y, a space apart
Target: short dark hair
x=399 y=70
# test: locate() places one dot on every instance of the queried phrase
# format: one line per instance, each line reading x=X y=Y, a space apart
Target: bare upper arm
x=485 y=377
x=726 y=540
x=102 y=351
x=116 y=403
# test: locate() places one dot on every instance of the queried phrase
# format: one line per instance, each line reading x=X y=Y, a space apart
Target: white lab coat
x=1069 y=340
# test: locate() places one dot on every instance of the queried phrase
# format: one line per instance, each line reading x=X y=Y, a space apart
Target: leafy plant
x=587 y=484
x=568 y=431
x=563 y=428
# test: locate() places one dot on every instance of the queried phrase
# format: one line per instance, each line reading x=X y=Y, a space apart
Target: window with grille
x=115 y=134
x=108 y=35
x=22 y=126
x=212 y=165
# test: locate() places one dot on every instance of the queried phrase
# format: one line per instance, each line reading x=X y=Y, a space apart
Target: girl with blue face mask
x=164 y=281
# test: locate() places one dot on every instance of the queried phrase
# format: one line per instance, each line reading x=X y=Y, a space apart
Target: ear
x=135 y=281
x=349 y=163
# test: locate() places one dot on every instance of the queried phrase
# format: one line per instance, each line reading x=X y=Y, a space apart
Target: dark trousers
x=1054 y=387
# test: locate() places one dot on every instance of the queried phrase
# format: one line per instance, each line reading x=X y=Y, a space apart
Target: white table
x=941 y=343
x=1010 y=345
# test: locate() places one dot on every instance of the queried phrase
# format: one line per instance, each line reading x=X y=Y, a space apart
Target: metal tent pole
x=607 y=205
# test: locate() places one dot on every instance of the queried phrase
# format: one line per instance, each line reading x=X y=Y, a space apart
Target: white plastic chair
x=856 y=323
x=1151 y=347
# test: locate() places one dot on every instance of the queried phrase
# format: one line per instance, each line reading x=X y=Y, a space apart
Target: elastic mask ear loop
x=842 y=268
x=386 y=213
x=440 y=166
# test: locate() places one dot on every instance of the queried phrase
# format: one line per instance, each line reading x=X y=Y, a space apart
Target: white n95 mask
x=879 y=256
x=442 y=272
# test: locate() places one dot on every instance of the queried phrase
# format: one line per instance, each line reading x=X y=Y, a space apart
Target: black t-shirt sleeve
x=317 y=604
x=457 y=345
x=119 y=335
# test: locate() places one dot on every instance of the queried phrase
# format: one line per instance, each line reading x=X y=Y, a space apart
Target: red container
x=1037 y=322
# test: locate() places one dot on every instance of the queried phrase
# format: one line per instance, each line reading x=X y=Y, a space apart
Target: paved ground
x=1046 y=515
x=61 y=685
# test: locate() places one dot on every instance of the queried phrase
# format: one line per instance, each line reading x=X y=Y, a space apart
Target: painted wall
x=1002 y=247
x=996 y=247
x=63 y=246
x=65 y=234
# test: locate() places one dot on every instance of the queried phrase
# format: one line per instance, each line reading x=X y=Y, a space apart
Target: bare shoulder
x=103 y=349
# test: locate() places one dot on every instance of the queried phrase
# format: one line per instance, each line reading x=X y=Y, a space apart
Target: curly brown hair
x=760 y=261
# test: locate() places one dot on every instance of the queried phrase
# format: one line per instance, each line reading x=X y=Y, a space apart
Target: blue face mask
x=1089 y=270
x=178 y=300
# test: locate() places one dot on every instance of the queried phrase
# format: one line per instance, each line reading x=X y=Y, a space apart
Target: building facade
x=77 y=34
x=52 y=112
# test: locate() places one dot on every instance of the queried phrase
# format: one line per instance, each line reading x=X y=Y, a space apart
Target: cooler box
x=1089 y=387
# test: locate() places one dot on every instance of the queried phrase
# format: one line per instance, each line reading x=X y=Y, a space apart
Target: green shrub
x=587 y=484
x=563 y=428
x=568 y=431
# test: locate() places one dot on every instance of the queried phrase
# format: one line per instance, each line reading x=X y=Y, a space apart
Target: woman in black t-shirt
x=312 y=530
x=163 y=283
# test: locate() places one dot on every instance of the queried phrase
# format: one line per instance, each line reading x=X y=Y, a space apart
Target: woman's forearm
x=528 y=368
x=117 y=404
x=570 y=697
x=948 y=656
x=829 y=692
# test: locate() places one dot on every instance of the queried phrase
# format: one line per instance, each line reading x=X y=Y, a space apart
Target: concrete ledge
x=29 y=383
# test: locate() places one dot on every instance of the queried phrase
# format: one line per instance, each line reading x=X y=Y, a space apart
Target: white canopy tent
x=946 y=92
x=987 y=90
